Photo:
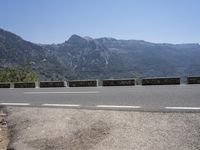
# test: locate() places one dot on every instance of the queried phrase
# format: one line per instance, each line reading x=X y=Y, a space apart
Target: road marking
x=61 y=105
x=184 y=108
x=115 y=106
x=15 y=104
x=83 y=92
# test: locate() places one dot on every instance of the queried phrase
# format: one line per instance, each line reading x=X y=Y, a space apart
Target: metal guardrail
x=24 y=85
x=46 y=84
x=95 y=83
x=4 y=85
x=161 y=81
x=193 y=80
x=118 y=82
x=82 y=83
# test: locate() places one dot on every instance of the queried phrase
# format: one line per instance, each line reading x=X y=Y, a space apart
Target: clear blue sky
x=54 y=21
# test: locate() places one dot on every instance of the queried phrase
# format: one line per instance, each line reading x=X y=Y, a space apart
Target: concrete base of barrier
x=46 y=84
x=82 y=83
x=161 y=81
x=24 y=85
x=118 y=82
x=4 y=85
x=193 y=80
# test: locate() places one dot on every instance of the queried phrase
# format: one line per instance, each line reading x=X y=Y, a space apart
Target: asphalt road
x=145 y=98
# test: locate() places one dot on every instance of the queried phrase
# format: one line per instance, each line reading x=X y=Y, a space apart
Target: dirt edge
x=4 y=131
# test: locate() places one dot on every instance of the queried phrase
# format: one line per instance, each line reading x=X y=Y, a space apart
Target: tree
x=17 y=74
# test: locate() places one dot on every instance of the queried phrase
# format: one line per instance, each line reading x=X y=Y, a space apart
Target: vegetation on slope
x=17 y=74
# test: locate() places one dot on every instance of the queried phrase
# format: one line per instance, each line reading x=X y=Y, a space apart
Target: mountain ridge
x=87 y=57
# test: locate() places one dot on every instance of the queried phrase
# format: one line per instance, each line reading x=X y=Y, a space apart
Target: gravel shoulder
x=79 y=129
x=4 y=136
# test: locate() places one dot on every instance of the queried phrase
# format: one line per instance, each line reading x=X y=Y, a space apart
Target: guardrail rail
x=4 y=85
x=82 y=83
x=193 y=80
x=161 y=81
x=118 y=82
x=47 y=84
x=24 y=85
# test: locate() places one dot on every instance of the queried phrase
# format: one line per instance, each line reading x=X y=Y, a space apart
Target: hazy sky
x=54 y=21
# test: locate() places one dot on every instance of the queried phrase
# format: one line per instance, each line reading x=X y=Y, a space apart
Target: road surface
x=145 y=98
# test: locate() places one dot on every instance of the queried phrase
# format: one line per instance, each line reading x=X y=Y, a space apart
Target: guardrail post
x=12 y=85
x=37 y=84
x=66 y=84
x=98 y=83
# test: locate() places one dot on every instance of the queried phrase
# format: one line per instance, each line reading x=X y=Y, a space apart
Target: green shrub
x=17 y=74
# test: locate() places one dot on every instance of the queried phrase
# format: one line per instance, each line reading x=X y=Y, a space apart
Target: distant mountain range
x=88 y=58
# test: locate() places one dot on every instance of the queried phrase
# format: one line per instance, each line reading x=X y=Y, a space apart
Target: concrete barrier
x=161 y=81
x=82 y=83
x=119 y=82
x=193 y=80
x=46 y=84
x=4 y=85
x=24 y=85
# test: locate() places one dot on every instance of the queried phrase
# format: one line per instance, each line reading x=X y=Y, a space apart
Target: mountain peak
x=75 y=37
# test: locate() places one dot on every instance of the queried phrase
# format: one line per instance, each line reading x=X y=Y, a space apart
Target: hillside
x=14 y=51
x=85 y=57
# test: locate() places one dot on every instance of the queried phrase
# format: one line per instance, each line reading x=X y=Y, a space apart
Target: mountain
x=88 y=58
x=14 y=51
x=150 y=59
x=85 y=57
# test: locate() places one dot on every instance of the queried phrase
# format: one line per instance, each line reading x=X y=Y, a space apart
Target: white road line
x=15 y=104
x=83 y=92
x=61 y=105
x=183 y=108
x=115 y=106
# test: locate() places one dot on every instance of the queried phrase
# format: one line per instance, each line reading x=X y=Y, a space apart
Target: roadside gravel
x=4 y=137
x=79 y=129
